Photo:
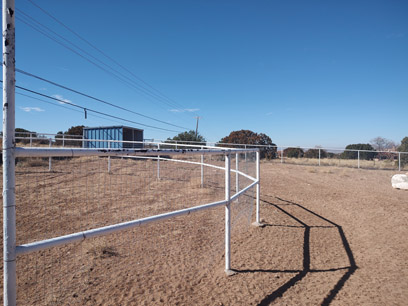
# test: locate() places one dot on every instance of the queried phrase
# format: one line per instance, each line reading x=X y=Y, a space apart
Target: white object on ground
x=400 y=181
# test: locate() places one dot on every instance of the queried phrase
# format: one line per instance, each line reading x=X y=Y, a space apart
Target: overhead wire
x=152 y=91
x=129 y=82
x=65 y=107
x=96 y=99
x=102 y=52
x=91 y=110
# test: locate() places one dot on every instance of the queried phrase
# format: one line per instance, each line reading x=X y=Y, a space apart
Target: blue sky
x=305 y=73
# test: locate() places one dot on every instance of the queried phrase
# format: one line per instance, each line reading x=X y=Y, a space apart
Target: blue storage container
x=117 y=133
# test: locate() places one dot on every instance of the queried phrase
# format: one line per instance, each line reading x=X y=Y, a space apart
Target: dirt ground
x=332 y=236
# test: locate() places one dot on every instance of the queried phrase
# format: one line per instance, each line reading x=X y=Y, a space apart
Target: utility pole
x=198 y=118
x=9 y=204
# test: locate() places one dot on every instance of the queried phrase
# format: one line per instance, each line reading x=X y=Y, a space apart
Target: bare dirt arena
x=332 y=236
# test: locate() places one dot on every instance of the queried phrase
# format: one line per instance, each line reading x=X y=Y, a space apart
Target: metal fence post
x=63 y=141
x=319 y=156
x=399 y=161
x=109 y=159
x=31 y=139
x=158 y=163
x=9 y=204
x=202 y=169
x=258 y=187
x=281 y=155
x=50 y=159
x=236 y=173
x=358 y=157
x=228 y=213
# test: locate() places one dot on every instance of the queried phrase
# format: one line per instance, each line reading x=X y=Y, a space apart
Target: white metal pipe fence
x=76 y=224
x=393 y=160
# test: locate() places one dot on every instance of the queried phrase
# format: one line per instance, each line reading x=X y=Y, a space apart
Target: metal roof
x=111 y=127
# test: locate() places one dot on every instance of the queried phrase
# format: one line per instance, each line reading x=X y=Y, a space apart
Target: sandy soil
x=331 y=236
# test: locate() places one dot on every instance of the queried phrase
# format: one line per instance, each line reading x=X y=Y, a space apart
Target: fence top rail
x=196 y=144
x=76 y=152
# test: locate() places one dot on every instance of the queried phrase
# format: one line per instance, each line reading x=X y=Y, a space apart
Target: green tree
x=188 y=137
x=404 y=148
x=293 y=152
x=77 y=130
x=251 y=138
x=359 y=146
x=314 y=153
x=23 y=133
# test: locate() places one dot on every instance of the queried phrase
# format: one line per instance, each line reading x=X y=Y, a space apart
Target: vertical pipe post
x=258 y=187
x=236 y=173
x=399 y=161
x=9 y=204
x=358 y=157
x=282 y=155
x=319 y=155
x=245 y=154
x=63 y=140
x=109 y=158
x=50 y=158
x=202 y=169
x=31 y=139
x=158 y=163
x=228 y=213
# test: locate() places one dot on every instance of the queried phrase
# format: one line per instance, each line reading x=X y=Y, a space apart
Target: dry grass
x=350 y=163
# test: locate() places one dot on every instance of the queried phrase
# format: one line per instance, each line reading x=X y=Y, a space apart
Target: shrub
x=189 y=137
x=404 y=148
x=293 y=152
x=363 y=155
x=314 y=153
x=251 y=138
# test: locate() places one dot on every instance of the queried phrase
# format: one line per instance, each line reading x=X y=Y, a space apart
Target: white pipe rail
x=195 y=163
x=102 y=231
x=76 y=152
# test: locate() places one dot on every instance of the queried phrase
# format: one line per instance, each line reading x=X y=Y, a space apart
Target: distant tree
x=77 y=130
x=188 y=137
x=382 y=144
x=249 y=138
x=363 y=155
x=333 y=155
x=314 y=153
x=294 y=152
x=23 y=133
x=404 y=148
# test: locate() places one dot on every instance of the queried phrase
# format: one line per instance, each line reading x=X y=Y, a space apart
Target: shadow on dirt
x=306 y=257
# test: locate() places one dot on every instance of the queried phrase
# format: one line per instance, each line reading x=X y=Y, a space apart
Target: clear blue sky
x=305 y=73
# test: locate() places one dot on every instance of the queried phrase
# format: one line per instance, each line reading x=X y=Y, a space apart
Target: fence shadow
x=300 y=274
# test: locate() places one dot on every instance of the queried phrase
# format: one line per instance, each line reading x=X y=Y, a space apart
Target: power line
x=131 y=84
x=96 y=99
x=62 y=106
x=155 y=91
x=77 y=53
x=85 y=109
